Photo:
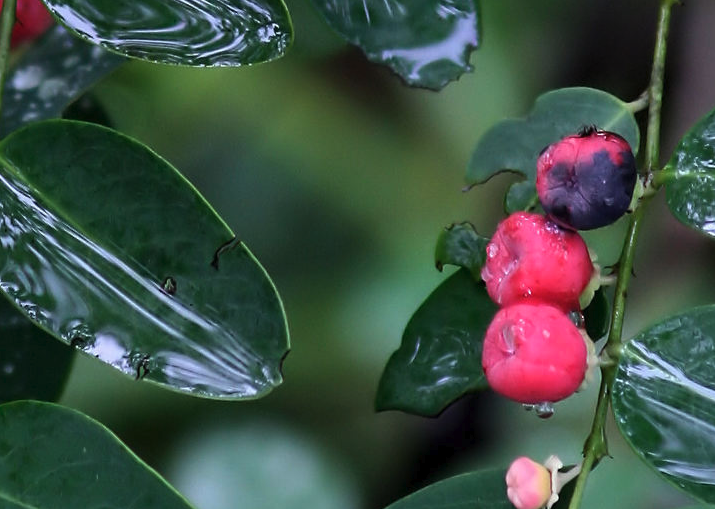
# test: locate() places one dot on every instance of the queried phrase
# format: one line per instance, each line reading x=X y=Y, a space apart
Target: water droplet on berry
x=508 y=334
x=609 y=201
x=492 y=250
x=527 y=407
x=544 y=410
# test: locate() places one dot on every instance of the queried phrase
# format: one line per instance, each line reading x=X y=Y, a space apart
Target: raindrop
x=528 y=407
x=544 y=410
x=140 y=364
x=577 y=318
x=169 y=285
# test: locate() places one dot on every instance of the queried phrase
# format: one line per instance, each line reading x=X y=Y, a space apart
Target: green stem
x=596 y=447
x=7 y=21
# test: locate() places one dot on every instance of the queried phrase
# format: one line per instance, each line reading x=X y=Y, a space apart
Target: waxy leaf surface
x=426 y=42
x=440 y=358
x=514 y=144
x=53 y=457
x=664 y=399
x=51 y=75
x=689 y=177
x=182 y=32
x=110 y=249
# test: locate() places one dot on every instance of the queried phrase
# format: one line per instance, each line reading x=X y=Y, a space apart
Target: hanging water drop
x=544 y=410
x=528 y=407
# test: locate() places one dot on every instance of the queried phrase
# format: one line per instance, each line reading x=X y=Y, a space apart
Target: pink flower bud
x=528 y=484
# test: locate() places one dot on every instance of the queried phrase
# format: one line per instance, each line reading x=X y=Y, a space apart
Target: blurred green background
x=339 y=179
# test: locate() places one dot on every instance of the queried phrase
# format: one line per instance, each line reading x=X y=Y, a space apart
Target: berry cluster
x=538 y=266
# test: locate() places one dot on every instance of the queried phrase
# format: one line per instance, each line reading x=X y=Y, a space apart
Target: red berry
x=529 y=257
x=533 y=353
x=586 y=180
x=31 y=20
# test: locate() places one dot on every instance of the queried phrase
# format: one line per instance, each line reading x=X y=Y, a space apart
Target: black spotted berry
x=586 y=180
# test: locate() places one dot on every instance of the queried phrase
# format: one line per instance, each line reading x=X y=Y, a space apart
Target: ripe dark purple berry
x=586 y=180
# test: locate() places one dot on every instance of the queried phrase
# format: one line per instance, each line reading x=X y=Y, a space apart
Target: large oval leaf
x=52 y=457
x=110 y=249
x=426 y=42
x=33 y=365
x=689 y=177
x=664 y=399
x=514 y=145
x=183 y=32
x=51 y=74
x=440 y=358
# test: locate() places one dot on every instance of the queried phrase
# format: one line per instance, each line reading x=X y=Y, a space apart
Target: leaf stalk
x=7 y=22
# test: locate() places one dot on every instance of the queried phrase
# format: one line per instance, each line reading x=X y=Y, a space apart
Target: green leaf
x=664 y=399
x=53 y=73
x=33 y=365
x=57 y=458
x=689 y=177
x=514 y=145
x=597 y=315
x=111 y=250
x=485 y=488
x=460 y=245
x=426 y=42
x=440 y=358
x=219 y=33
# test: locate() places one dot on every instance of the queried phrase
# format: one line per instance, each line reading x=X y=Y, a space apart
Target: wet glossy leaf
x=664 y=399
x=183 y=32
x=514 y=145
x=460 y=245
x=598 y=315
x=485 y=488
x=33 y=365
x=440 y=358
x=53 y=73
x=426 y=42
x=114 y=252
x=52 y=457
x=689 y=177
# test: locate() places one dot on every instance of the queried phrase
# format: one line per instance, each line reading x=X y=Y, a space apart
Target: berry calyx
x=586 y=180
x=31 y=20
x=528 y=484
x=529 y=257
x=533 y=353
